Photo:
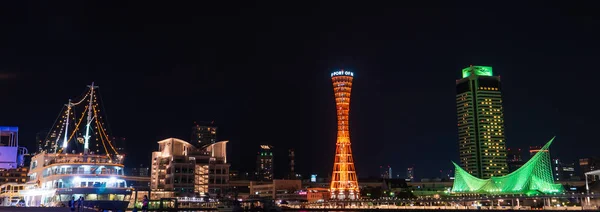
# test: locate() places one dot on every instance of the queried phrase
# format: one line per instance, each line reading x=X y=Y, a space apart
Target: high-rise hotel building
x=481 y=123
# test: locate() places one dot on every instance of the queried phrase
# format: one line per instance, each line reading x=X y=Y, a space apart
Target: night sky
x=261 y=72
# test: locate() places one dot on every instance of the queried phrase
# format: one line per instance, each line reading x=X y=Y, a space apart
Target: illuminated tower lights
x=344 y=183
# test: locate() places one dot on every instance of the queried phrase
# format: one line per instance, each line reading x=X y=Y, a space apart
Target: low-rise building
x=271 y=189
x=317 y=194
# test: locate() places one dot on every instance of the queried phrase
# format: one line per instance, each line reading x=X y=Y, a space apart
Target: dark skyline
x=261 y=72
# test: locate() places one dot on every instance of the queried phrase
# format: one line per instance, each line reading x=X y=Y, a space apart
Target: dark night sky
x=261 y=72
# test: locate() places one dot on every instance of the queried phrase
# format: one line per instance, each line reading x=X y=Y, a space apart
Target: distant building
x=138 y=172
x=568 y=172
x=482 y=146
x=179 y=168
x=16 y=175
x=40 y=139
x=119 y=144
x=446 y=175
x=275 y=187
x=514 y=159
x=410 y=174
x=589 y=164
x=264 y=163
x=204 y=133
x=534 y=150
x=556 y=169
x=50 y=142
x=292 y=175
x=514 y=154
x=385 y=172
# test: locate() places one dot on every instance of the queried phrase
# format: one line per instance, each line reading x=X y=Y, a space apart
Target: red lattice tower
x=344 y=184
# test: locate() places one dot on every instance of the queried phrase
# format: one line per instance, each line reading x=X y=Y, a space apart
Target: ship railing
x=82 y=172
x=77 y=161
x=191 y=199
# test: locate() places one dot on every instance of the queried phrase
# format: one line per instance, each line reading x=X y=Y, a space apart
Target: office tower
x=204 y=133
x=264 y=163
x=410 y=174
x=514 y=159
x=481 y=123
x=344 y=183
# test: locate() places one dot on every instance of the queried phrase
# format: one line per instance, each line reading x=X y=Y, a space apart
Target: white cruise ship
x=67 y=168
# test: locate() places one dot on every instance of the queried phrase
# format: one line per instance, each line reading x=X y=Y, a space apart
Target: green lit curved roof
x=535 y=176
x=477 y=70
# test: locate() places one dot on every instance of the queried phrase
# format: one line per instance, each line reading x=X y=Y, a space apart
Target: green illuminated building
x=481 y=123
x=534 y=177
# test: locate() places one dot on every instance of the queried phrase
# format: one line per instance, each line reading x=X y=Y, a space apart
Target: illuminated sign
x=265 y=147
x=342 y=73
x=477 y=70
x=313 y=178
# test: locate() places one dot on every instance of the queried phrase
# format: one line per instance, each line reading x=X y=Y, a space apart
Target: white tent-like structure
x=587 y=186
x=593 y=173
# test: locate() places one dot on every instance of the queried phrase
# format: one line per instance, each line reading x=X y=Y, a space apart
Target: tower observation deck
x=344 y=183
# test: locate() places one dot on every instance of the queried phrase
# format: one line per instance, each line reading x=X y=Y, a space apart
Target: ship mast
x=64 y=145
x=86 y=145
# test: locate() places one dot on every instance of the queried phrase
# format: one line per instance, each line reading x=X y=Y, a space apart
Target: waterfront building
x=275 y=187
x=179 y=168
x=344 y=183
x=534 y=177
x=481 y=123
x=265 y=169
